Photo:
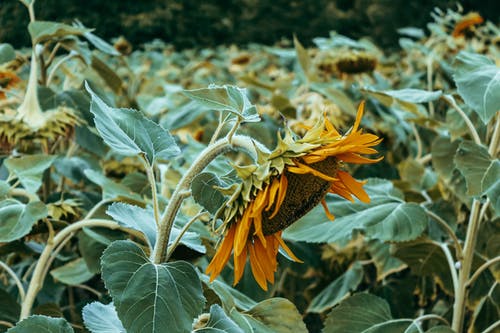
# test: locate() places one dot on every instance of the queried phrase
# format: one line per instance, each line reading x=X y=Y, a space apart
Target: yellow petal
x=353 y=186
x=327 y=211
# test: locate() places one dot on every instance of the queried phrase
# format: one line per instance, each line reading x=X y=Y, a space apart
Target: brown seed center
x=303 y=193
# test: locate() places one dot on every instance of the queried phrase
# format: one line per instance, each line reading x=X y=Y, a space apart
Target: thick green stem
x=465 y=269
x=41 y=268
x=204 y=158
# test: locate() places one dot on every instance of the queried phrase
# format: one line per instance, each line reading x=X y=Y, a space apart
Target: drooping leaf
x=102 y=318
x=29 y=169
x=150 y=297
x=363 y=313
x=130 y=133
x=385 y=263
x=337 y=96
x=110 y=189
x=488 y=310
x=42 y=324
x=425 y=258
x=337 y=290
x=106 y=73
x=225 y=98
x=387 y=218
x=303 y=58
x=135 y=217
x=205 y=193
x=473 y=161
x=41 y=31
x=230 y=297
x=478 y=83
x=17 y=219
x=72 y=273
x=219 y=322
x=98 y=42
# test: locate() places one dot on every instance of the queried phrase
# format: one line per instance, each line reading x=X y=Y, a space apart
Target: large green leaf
x=110 y=189
x=17 y=219
x=387 y=217
x=29 y=169
x=150 y=297
x=219 y=322
x=225 y=98
x=135 y=217
x=385 y=263
x=230 y=297
x=425 y=258
x=42 y=324
x=102 y=318
x=204 y=189
x=478 y=82
x=491 y=185
x=363 y=313
x=72 y=273
x=475 y=164
x=339 y=289
x=406 y=99
x=41 y=31
x=130 y=133
x=274 y=315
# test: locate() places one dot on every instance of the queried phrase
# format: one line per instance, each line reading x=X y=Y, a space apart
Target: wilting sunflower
x=286 y=184
x=466 y=23
x=8 y=80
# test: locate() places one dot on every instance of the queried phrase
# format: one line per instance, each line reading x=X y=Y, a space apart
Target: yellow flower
x=286 y=184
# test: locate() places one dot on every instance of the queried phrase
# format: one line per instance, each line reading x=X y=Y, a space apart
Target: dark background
x=199 y=23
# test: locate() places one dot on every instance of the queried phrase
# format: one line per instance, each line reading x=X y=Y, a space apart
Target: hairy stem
x=177 y=240
x=204 y=158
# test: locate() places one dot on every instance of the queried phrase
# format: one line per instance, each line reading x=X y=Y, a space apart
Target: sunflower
x=284 y=185
x=466 y=23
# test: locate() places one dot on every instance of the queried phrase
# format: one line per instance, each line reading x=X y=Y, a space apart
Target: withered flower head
x=356 y=62
x=286 y=184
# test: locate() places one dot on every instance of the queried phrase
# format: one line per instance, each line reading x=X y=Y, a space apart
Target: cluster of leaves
x=83 y=214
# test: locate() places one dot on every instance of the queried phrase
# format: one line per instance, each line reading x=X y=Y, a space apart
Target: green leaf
x=17 y=219
x=130 y=133
x=478 y=83
x=487 y=311
x=405 y=99
x=337 y=290
x=229 y=296
x=363 y=313
x=275 y=315
x=225 y=98
x=440 y=329
x=490 y=185
x=473 y=161
x=425 y=258
x=136 y=218
x=29 y=169
x=387 y=218
x=107 y=74
x=205 y=193
x=42 y=324
x=219 y=322
x=302 y=57
x=98 y=42
x=150 y=297
x=110 y=189
x=7 y=53
x=337 y=96
x=72 y=273
x=385 y=263
x=42 y=31
x=102 y=318
x=93 y=242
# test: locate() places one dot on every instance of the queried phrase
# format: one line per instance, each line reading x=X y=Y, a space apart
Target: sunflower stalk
x=211 y=152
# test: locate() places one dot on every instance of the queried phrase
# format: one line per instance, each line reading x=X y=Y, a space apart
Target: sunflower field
x=337 y=188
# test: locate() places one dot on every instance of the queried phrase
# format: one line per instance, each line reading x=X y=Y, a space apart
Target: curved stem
x=204 y=158
x=41 y=266
x=58 y=64
x=451 y=101
x=451 y=264
x=469 y=245
x=154 y=196
x=433 y=316
x=419 y=141
x=451 y=233
x=492 y=327
x=14 y=277
x=481 y=269
x=185 y=228
x=495 y=139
